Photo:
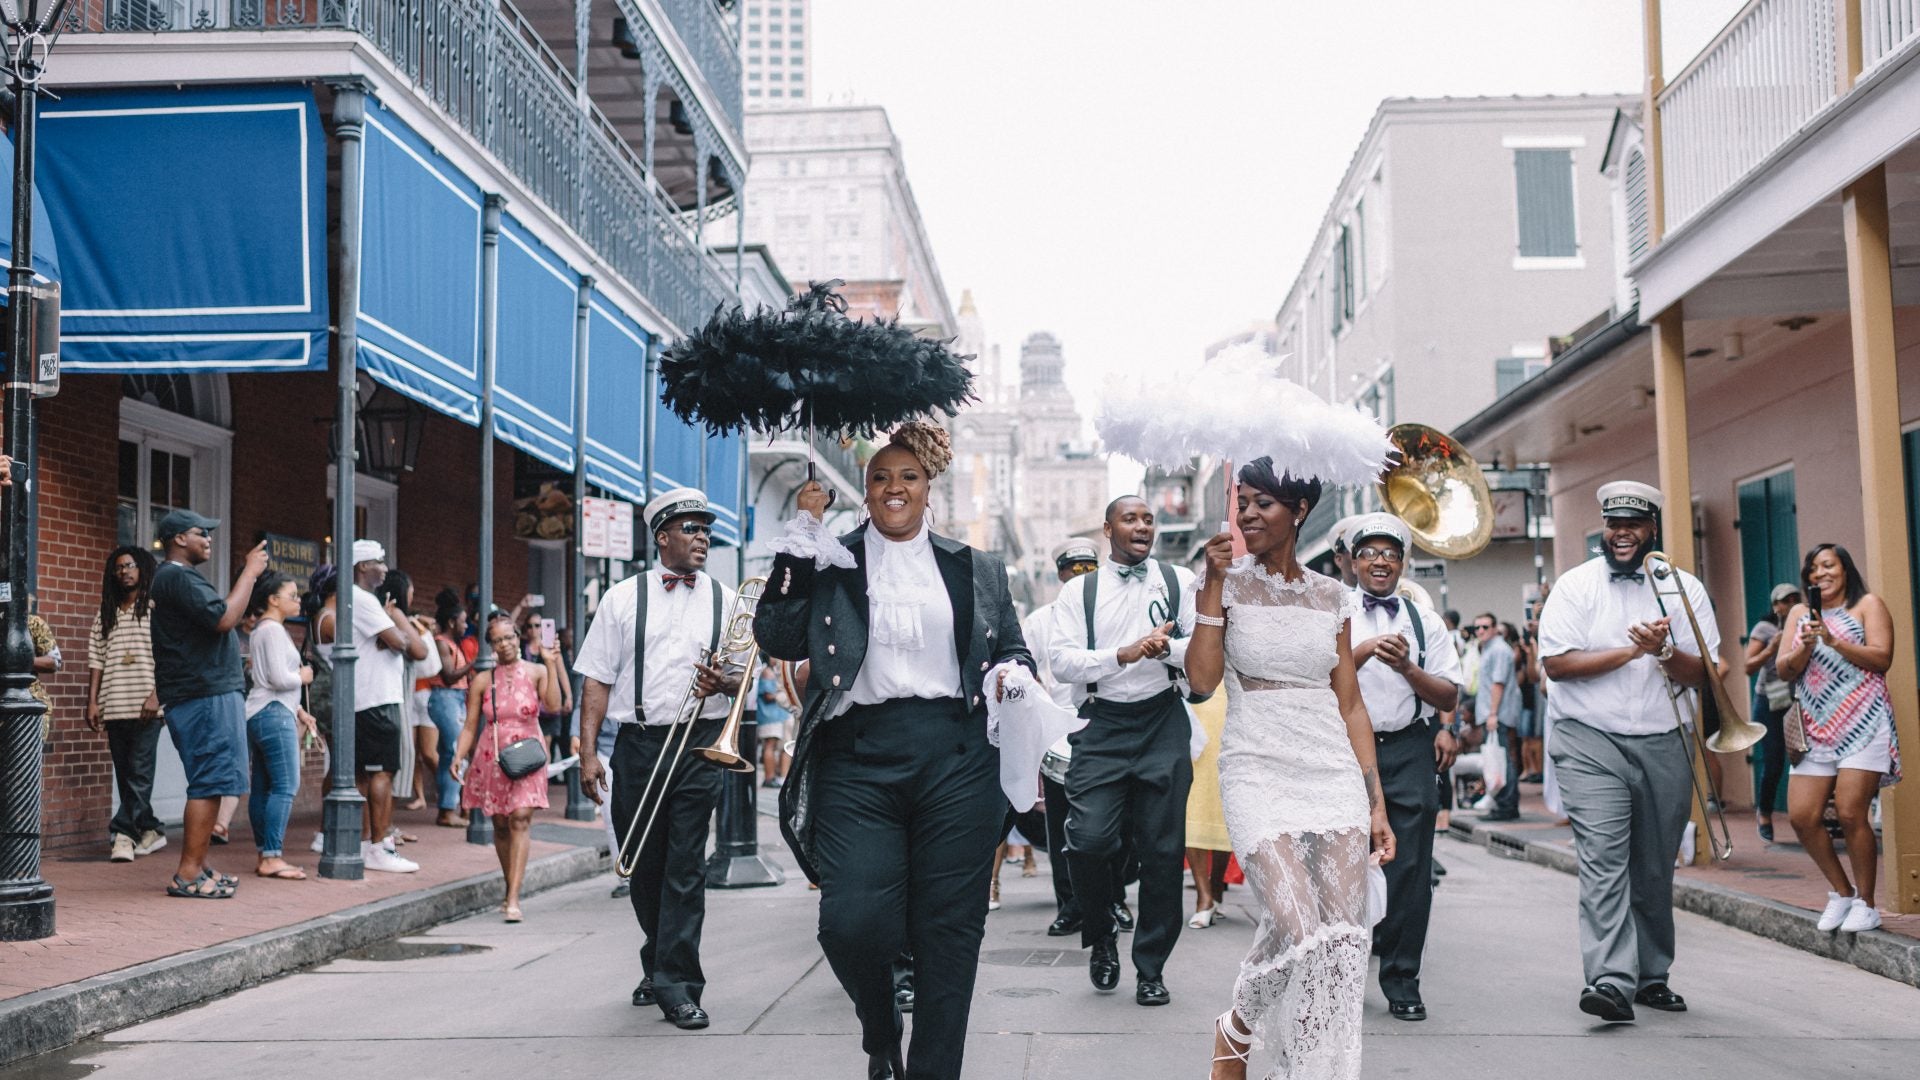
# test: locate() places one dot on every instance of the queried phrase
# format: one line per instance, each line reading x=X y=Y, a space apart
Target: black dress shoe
x=1104 y=967
x=1657 y=996
x=885 y=1067
x=1607 y=1003
x=1122 y=917
x=903 y=998
x=687 y=1016
x=643 y=994
x=1063 y=926
x=1407 y=1010
x=1151 y=992
x=622 y=890
x=1501 y=815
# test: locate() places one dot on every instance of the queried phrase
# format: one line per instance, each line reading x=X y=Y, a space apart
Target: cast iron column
x=736 y=861
x=479 y=826
x=578 y=808
x=26 y=900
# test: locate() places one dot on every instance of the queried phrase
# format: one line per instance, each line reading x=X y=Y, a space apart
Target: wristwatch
x=1666 y=651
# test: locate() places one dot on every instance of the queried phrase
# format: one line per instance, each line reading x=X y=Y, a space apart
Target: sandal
x=1203 y=919
x=513 y=914
x=288 y=872
x=1230 y=1030
x=207 y=886
x=219 y=835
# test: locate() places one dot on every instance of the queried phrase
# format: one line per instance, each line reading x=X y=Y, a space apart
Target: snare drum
x=1053 y=764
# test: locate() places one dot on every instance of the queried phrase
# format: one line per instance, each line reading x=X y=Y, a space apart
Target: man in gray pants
x=1618 y=752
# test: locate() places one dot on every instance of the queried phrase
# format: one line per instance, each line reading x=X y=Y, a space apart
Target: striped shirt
x=124 y=660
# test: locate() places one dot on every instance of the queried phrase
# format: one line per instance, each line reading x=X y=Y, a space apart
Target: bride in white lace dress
x=1298 y=782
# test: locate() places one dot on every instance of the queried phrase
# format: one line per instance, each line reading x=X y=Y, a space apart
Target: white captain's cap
x=1368 y=526
x=1630 y=498
x=676 y=503
x=1340 y=531
x=1072 y=551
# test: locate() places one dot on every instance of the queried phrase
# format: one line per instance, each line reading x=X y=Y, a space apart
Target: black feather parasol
x=811 y=366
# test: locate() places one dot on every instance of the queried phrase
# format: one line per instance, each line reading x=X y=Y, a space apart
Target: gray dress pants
x=1628 y=797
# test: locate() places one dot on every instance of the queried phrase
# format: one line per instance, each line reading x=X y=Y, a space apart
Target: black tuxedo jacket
x=821 y=616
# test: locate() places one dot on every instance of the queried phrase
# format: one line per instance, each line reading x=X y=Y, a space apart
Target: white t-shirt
x=1389 y=697
x=1589 y=611
x=379 y=673
x=679 y=629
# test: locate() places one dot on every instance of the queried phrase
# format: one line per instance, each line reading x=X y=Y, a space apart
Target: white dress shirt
x=1588 y=611
x=1037 y=629
x=1124 y=612
x=1389 y=697
x=910 y=646
x=679 y=629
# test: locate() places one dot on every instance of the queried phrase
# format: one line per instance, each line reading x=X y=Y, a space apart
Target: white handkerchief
x=1023 y=726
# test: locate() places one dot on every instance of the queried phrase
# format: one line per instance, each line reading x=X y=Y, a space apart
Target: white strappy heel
x=1229 y=1026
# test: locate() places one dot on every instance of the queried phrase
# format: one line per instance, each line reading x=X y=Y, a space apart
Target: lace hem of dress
x=1304 y=1005
x=807 y=537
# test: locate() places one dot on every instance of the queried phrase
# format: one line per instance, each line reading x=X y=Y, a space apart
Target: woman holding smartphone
x=1836 y=651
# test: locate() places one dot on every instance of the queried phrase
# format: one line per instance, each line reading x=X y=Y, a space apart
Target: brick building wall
x=278 y=484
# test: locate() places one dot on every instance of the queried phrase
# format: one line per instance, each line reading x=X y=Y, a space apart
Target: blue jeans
x=273 y=737
x=448 y=711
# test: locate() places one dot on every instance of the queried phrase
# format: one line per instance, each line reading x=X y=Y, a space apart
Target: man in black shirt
x=196 y=674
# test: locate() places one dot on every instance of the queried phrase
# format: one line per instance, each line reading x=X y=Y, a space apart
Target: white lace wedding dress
x=1297 y=814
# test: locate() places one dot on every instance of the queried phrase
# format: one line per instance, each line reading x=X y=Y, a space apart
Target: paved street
x=550 y=994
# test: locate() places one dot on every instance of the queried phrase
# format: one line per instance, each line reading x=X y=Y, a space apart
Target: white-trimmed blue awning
x=616 y=400
x=533 y=368
x=192 y=228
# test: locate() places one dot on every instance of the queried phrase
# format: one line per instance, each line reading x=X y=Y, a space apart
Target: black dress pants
x=1064 y=904
x=1413 y=801
x=907 y=811
x=132 y=745
x=1128 y=782
x=669 y=884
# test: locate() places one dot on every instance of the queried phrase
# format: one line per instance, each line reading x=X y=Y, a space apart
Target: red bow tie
x=672 y=580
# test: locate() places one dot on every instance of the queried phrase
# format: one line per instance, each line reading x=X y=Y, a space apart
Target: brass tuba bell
x=1438 y=490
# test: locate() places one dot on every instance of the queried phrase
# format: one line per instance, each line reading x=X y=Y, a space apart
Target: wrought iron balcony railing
x=491 y=74
x=708 y=34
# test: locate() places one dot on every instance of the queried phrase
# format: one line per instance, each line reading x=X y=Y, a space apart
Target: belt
x=1423 y=727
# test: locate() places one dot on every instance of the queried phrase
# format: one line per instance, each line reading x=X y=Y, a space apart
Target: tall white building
x=776 y=52
x=1061 y=484
x=827 y=193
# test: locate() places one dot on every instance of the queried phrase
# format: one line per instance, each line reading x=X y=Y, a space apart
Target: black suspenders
x=643 y=587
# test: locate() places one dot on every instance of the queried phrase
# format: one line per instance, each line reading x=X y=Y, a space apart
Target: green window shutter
x=1756 y=560
x=1543 y=185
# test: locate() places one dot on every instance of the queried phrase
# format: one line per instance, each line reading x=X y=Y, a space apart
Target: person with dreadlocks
x=120 y=698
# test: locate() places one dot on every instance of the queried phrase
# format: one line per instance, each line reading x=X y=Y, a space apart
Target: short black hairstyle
x=1259 y=474
x=1115 y=505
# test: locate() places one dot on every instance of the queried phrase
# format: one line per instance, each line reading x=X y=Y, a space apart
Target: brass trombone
x=736 y=640
x=1736 y=732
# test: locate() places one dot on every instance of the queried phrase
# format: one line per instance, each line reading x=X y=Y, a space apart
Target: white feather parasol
x=1237 y=407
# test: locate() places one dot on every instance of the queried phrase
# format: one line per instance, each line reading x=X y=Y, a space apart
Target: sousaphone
x=1438 y=490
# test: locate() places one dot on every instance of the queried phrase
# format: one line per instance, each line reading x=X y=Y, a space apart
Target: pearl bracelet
x=1209 y=620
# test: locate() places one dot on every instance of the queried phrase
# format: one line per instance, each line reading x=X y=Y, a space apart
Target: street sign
x=293 y=556
x=606 y=529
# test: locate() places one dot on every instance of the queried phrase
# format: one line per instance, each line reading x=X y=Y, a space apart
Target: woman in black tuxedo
x=892 y=804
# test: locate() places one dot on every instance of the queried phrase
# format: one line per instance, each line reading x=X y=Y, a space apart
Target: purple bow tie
x=1368 y=602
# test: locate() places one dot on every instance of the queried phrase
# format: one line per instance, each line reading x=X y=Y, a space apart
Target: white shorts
x=417 y=709
x=1877 y=758
x=774 y=731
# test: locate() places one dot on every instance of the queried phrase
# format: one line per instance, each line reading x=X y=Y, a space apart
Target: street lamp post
x=26 y=899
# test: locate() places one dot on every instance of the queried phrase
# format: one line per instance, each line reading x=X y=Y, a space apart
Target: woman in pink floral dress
x=505 y=704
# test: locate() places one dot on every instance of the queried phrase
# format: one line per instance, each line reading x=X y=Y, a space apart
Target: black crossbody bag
x=521 y=757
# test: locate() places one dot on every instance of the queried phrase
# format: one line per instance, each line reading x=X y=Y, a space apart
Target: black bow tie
x=1634 y=576
x=1369 y=602
x=672 y=580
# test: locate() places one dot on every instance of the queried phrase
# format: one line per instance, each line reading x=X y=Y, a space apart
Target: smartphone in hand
x=549 y=634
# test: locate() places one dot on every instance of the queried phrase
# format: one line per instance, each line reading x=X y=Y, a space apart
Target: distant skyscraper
x=776 y=54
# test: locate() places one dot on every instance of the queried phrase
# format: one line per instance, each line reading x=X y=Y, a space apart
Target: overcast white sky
x=1143 y=177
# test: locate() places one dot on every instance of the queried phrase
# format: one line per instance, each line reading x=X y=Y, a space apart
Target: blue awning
x=723 y=485
x=533 y=370
x=192 y=228
x=46 y=250
x=419 y=270
x=616 y=398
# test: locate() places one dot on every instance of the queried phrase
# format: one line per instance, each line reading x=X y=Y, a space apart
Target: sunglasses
x=1483 y=626
x=201 y=533
x=695 y=528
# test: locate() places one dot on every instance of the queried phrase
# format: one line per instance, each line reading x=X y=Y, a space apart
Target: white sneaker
x=1863 y=916
x=150 y=841
x=1838 y=908
x=122 y=849
x=379 y=858
x=319 y=844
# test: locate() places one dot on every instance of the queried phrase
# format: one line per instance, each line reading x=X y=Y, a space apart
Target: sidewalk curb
x=62 y=1015
x=1880 y=952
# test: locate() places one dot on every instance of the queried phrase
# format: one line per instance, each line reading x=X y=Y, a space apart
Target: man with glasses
x=1409 y=673
x=197 y=677
x=1618 y=754
x=1497 y=706
x=648 y=640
